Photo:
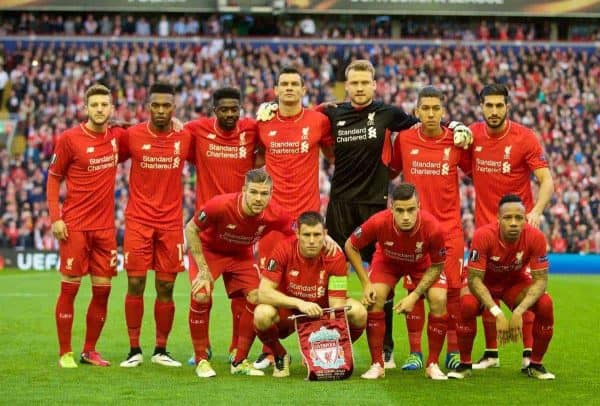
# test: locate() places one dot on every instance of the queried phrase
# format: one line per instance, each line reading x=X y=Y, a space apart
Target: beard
x=500 y=123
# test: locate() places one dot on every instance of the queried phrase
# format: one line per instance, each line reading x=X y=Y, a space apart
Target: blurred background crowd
x=555 y=91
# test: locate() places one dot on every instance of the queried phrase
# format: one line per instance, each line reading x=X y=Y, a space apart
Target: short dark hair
x=430 y=91
x=509 y=198
x=287 y=70
x=404 y=191
x=226 y=93
x=97 y=89
x=310 y=218
x=163 y=88
x=259 y=175
x=495 y=89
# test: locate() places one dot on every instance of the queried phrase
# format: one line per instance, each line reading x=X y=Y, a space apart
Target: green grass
x=29 y=372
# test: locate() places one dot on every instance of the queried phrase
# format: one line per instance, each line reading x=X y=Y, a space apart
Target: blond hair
x=361 y=65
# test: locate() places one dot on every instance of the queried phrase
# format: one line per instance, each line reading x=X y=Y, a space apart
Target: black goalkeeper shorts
x=343 y=218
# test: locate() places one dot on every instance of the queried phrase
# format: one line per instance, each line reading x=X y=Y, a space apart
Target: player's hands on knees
x=59 y=230
x=503 y=329
x=463 y=137
x=201 y=286
x=406 y=304
x=369 y=295
x=331 y=247
x=516 y=326
x=266 y=111
x=176 y=124
x=310 y=309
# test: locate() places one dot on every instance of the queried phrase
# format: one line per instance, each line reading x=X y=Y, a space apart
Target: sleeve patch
x=272 y=265
x=202 y=216
x=474 y=257
x=358 y=232
x=53 y=159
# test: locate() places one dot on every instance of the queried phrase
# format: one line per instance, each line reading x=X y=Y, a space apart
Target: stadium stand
x=554 y=90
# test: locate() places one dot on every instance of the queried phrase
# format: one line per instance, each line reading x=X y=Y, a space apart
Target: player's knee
x=164 y=290
x=264 y=316
x=357 y=315
x=252 y=297
x=469 y=307
x=136 y=286
x=544 y=308
x=201 y=298
x=437 y=301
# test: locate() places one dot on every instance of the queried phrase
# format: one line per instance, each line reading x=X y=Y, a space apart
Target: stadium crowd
x=295 y=25
x=553 y=91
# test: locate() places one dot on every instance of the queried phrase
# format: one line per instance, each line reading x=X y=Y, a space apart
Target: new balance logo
x=89 y=150
x=231 y=226
x=495 y=259
x=272 y=133
x=388 y=243
x=478 y=148
x=294 y=273
x=341 y=123
x=414 y=151
x=146 y=147
x=211 y=136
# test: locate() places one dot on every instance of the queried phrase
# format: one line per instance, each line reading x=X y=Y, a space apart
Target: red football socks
x=164 y=312
x=64 y=314
x=96 y=316
x=134 y=311
x=375 y=334
x=198 y=319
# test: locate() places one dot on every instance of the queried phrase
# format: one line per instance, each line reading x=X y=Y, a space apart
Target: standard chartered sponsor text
x=222 y=151
x=159 y=162
x=351 y=134
x=284 y=147
x=488 y=165
x=104 y=162
x=426 y=168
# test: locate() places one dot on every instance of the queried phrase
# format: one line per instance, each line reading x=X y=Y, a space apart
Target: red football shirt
x=415 y=250
x=88 y=163
x=155 y=185
x=503 y=164
x=222 y=158
x=292 y=147
x=304 y=278
x=431 y=164
x=504 y=263
x=225 y=229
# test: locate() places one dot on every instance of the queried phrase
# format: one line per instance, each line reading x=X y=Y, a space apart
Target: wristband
x=495 y=310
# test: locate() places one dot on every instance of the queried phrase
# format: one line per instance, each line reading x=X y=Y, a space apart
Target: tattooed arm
x=432 y=274
x=203 y=280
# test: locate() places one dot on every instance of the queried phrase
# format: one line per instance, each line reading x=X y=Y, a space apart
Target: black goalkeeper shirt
x=359 y=175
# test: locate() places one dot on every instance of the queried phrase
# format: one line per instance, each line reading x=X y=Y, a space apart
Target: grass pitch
x=29 y=372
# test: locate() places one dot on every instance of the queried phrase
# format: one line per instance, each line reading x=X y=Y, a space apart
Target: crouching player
x=300 y=278
x=500 y=255
x=409 y=242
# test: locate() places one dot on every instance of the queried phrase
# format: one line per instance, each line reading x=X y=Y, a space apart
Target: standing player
x=86 y=157
x=409 y=242
x=505 y=155
x=292 y=140
x=224 y=149
x=221 y=236
x=500 y=254
x=154 y=218
x=359 y=187
x=299 y=277
x=428 y=159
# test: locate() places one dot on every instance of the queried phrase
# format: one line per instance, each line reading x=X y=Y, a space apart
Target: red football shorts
x=89 y=252
x=151 y=248
x=240 y=274
x=390 y=273
x=193 y=272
